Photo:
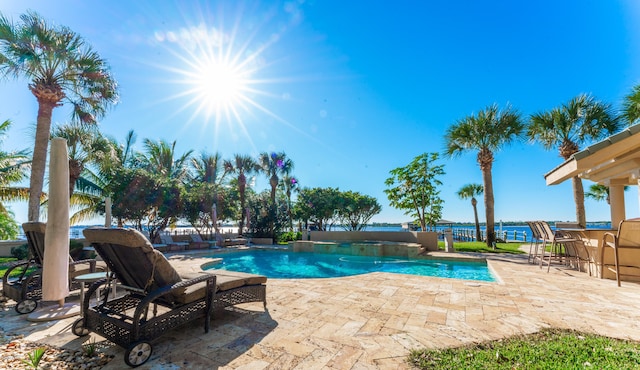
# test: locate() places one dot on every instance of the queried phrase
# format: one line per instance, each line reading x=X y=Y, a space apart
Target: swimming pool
x=301 y=265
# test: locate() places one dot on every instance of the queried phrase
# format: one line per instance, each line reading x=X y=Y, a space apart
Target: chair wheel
x=79 y=329
x=137 y=354
x=26 y=306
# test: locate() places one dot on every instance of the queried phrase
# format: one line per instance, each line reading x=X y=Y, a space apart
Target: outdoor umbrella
x=55 y=269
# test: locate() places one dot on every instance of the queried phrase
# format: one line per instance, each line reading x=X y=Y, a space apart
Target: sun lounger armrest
x=152 y=296
x=91 y=262
x=14 y=265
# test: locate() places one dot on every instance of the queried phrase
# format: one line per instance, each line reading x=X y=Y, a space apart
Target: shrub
x=289 y=236
x=20 y=252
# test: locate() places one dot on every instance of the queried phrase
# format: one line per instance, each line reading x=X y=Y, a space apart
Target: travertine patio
x=372 y=321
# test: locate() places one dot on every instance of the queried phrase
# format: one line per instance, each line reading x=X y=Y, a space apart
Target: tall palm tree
x=241 y=166
x=62 y=68
x=486 y=132
x=289 y=184
x=13 y=167
x=273 y=165
x=631 y=106
x=472 y=191
x=581 y=120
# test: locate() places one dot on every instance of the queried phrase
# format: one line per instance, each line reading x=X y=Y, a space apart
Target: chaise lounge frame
x=26 y=289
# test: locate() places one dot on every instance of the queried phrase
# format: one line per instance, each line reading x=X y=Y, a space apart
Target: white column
x=616 y=199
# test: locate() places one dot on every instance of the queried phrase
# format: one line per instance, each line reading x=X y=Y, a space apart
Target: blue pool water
x=289 y=265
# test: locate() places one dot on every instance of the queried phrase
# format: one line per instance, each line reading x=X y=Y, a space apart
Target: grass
x=480 y=247
x=547 y=349
x=4 y=262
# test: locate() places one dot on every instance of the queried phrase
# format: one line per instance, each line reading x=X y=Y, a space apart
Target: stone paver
x=372 y=321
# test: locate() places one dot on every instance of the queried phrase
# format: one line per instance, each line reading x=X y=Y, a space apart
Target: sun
x=219 y=86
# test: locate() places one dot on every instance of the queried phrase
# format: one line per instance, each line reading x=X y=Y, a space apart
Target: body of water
x=301 y=265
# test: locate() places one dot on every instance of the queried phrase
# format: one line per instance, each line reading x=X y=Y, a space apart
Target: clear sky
x=350 y=90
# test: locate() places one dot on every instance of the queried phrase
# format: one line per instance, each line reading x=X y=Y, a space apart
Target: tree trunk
x=39 y=161
x=489 y=203
x=75 y=169
x=242 y=183
x=475 y=215
x=578 y=197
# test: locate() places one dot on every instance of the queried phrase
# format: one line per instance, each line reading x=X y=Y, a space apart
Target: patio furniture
x=159 y=246
x=536 y=239
x=26 y=289
x=156 y=298
x=557 y=240
x=198 y=243
x=626 y=250
x=173 y=246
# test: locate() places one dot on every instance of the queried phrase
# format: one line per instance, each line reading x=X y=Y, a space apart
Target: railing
x=469 y=235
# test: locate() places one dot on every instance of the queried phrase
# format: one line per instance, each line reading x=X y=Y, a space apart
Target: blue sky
x=351 y=90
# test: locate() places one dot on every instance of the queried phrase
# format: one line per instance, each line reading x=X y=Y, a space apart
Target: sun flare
x=219 y=85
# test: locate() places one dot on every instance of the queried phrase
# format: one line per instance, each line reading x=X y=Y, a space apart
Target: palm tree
x=208 y=168
x=13 y=167
x=289 y=184
x=631 y=106
x=62 y=68
x=241 y=165
x=160 y=159
x=486 y=132
x=472 y=191
x=272 y=165
x=85 y=143
x=581 y=120
x=599 y=192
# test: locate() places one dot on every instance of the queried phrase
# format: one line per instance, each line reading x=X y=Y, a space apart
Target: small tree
x=472 y=191
x=318 y=205
x=414 y=189
x=357 y=210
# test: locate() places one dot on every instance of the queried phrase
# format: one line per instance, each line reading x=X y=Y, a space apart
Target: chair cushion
x=231 y=278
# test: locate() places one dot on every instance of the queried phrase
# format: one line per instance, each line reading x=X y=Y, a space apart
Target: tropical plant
x=34 y=358
x=210 y=170
x=62 y=68
x=91 y=188
x=84 y=143
x=487 y=132
x=274 y=165
x=241 y=166
x=357 y=210
x=599 y=192
x=265 y=215
x=289 y=184
x=159 y=158
x=13 y=168
x=631 y=106
x=414 y=189
x=581 y=120
x=9 y=228
x=471 y=191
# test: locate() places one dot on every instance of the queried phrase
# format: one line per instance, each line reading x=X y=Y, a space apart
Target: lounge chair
x=626 y=249
x=152 y=288
x=198 y=243
x=159 y=246
x=182 y=293
x=173 y=246
x=26 y=289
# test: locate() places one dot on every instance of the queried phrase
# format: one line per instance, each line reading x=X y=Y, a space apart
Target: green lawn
x=480 y=247
x=547 y=349
x=4 y=261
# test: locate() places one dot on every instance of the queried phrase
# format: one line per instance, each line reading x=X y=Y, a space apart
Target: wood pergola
x=613 y=162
